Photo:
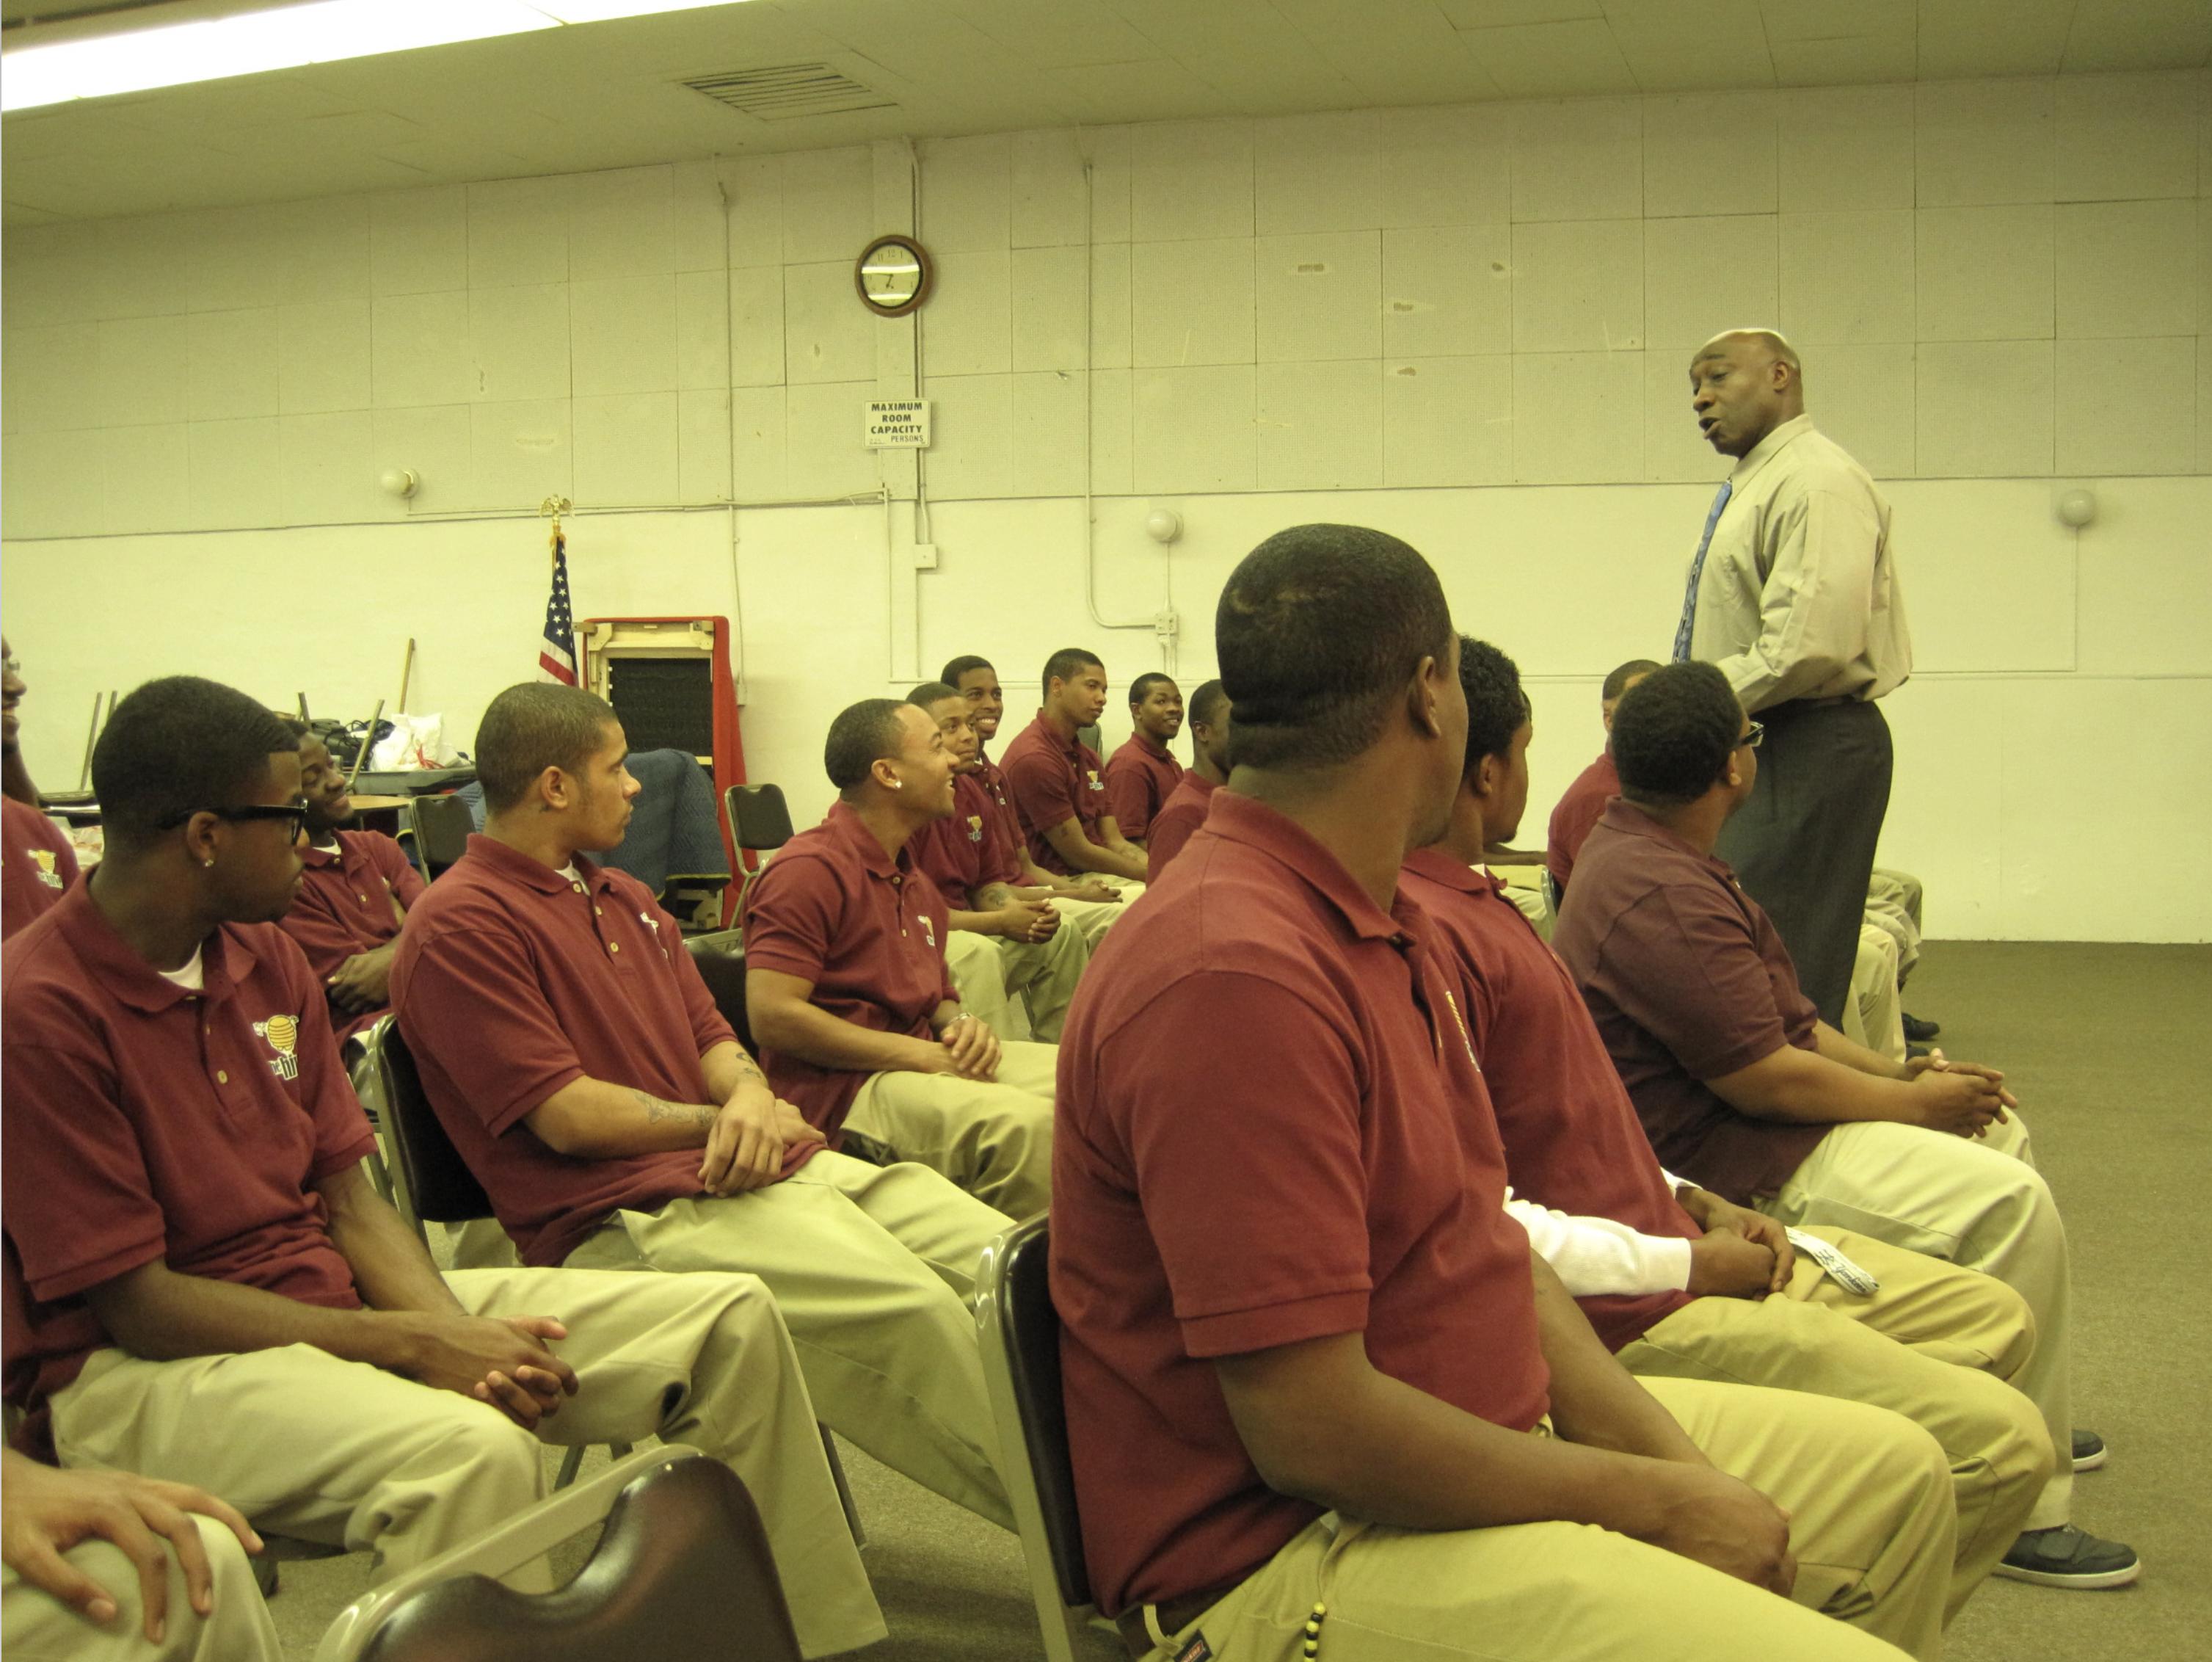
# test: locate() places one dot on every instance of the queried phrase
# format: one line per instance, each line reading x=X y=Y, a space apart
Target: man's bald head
x=1744 y=383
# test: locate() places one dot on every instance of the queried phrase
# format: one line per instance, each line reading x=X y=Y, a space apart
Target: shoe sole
x=2075 y=1583
x=2091 y=1461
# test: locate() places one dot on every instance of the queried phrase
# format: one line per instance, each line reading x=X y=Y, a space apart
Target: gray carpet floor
x=2109 y=1048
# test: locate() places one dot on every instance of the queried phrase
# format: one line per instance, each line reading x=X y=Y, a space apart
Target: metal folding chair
x=681 y=1570
x=1020 y=1334
x=441 y=825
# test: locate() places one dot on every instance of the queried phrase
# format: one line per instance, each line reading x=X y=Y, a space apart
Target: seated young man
x=1873 y=1015
x=1337 y=1394
x=1059 y=785
x=211 y=1291
x=1085 y=900
x=846 y=986
x=1141 y=773
x=1742 y=1089
x=1184 y=811
x=353 y=895
x=1002 y=942
x=36 y=861
x=1678 y=1284
x=576 y=1059
x=106 y=1567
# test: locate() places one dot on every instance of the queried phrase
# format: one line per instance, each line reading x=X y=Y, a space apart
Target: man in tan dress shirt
x=1793 y=593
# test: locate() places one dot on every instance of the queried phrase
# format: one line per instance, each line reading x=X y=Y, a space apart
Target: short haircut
x=179 y=744
x=1142 y=688
x=1617 y=683
x=533 y=727
x=862 y=735
x=957 y=667
x=1673 y=734
x=1063 y=664
x=1318 y=630
x=1496 y=706
x=932 y=692
x=1206 y=703
x=300 y=730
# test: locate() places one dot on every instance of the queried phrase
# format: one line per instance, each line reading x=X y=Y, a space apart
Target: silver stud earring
x=209 y=864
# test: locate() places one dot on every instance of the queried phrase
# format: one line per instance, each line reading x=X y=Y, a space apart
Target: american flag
x=557 y=651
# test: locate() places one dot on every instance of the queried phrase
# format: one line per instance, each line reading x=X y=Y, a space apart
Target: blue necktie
x=1697 y=570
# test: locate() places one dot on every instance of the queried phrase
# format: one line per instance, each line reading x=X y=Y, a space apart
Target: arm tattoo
x=690 y=1113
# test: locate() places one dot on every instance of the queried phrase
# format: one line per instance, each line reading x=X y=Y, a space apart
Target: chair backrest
x=430 y=1183
x=721 y=961
x=442 y=824
x=1020 y=1334
x=681 y=1570
x=758 y=818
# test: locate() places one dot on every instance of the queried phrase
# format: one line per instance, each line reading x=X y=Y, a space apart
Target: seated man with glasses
x=201 y=1286
x=1744 y=1091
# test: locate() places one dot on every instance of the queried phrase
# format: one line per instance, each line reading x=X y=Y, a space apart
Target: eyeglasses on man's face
x=295 y=813
x=1752 y=733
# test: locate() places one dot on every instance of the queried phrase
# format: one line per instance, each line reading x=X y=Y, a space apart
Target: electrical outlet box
x=925 y=556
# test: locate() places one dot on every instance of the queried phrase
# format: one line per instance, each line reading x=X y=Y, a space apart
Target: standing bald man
x=1793 y=593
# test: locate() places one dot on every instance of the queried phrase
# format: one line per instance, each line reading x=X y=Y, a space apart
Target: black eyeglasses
x=295 y=812
x=1753 y=734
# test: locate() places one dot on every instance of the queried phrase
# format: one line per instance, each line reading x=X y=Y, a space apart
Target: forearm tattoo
x=687 y=1113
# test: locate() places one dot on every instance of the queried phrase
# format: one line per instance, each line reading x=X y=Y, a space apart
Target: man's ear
x=1489 y=775
x=199 y=833
x=883 y=771
x=554 y=790
x=1423 y=700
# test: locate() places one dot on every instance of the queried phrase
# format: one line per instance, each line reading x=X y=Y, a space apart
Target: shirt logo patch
x=975 y=828
x=653 y=924
x=1091 y=774
x=928 y=928
x=44 y=860
x=282 y=1035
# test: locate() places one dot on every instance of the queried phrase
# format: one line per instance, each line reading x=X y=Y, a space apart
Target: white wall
x=1465 y=324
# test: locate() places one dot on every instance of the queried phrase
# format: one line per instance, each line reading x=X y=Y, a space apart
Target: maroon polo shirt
x=867 y=930
x=146 y=1123
x=1686 y=980
x=36 y=864
x=345 y=908
x=1138 y=777
x=968 y=851
x=1053 y=780
x=993 y=778
x=1572 y=1139
x=1183 y=812
x=511 y=982
x=1577 y=812
x=1259 y=1017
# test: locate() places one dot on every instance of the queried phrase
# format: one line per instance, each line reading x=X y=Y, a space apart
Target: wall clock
x=893 y=276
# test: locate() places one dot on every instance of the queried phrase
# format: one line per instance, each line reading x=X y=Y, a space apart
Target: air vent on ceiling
x=789 y=91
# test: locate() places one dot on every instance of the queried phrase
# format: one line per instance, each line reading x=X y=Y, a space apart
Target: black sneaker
x=2070 y=1557
x=1921 y=1031
x=2088 y=1450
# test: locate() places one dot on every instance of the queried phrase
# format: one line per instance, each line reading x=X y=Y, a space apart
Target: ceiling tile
x=1552 y=60
x=1992 y=37
x=2139 y=34
x=1504 y=14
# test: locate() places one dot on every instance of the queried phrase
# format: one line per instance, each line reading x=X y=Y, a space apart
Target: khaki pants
x=309 y=1445
x=1978 y=1201
x=1092 y=917
x=874 y=1270
x=1871 y=1525
x=1894 y=904
x=993 y=1140
x=1874 y=1015
x=1934 y=1342
x=1041 y=974
x=35 y=1627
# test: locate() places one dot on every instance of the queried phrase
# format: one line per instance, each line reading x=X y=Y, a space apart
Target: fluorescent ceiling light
x=288 y=37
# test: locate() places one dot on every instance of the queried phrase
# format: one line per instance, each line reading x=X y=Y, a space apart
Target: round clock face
x=892 y=275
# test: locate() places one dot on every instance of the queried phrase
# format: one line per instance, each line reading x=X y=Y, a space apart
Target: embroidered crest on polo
x=280 y=1033
x=1091 y=774
x=975 y=828
x=44 y=860
x=928 y=928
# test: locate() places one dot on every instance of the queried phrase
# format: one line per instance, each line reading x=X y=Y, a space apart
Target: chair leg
x=570 y=1462
x=844 y=1489
x=380 y=1175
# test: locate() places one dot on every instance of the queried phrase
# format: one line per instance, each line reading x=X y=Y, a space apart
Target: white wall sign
x=899 y=425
